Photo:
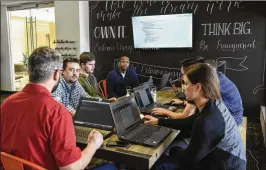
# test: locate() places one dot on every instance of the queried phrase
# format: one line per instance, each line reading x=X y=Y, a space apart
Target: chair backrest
x=11 y=162
x=103 y=88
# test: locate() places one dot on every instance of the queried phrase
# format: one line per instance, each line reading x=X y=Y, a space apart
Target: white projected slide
x=162 y=31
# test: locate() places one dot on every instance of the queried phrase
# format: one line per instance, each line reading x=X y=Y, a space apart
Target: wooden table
x=165 y=95
x=143 y=157
x=137 y=156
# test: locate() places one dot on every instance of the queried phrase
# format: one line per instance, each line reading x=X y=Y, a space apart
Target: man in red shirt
x=37 y=128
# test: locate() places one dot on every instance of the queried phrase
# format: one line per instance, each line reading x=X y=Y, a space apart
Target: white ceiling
x=13 y=3
x=46 y=14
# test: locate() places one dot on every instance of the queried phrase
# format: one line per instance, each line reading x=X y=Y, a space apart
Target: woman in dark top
x=215 y=142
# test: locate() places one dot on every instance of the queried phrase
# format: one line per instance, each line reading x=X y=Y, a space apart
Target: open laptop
x=163 y=81
x=92 y=114
x=145 y=100
x=126 y=116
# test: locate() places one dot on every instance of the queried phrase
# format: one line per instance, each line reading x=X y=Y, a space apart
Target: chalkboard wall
x=241 y=43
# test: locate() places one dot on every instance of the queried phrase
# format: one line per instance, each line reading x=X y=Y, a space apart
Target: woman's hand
x=160 y=111
x=176 y=101
x=148 y=119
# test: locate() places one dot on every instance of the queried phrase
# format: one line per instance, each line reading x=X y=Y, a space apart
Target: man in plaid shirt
x=69 y=90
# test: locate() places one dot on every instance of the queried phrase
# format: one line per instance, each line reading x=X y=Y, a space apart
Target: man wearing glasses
x=37 y=128
x=69 y=90
x=120 y=78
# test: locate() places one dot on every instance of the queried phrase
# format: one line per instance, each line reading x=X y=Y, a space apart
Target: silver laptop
x=92 y=114
x=163 y=81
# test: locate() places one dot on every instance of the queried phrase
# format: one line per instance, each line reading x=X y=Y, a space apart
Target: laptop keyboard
x=145 y=133
x=84 y=132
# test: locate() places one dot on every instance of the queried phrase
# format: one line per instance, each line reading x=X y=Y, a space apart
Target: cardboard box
x=263 y=122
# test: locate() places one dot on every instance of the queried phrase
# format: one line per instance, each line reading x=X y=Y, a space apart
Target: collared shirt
x=116 y=83
x=89 y=84
x=69 y=95
x=37 y=128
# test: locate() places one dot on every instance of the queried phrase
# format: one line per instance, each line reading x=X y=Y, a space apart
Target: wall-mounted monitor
x=163 y=31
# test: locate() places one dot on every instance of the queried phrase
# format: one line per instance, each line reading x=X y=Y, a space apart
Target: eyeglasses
x=74 y=70
x=58 y=69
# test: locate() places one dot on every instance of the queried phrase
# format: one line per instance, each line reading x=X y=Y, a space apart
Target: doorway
x=29 y=29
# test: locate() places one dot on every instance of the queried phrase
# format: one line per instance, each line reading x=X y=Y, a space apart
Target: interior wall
x=74 y=24
x=71 y=23
x=7 y=69
x=84 y=26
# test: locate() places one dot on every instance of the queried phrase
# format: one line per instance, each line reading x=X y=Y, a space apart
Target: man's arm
x=82 y=92
x=85 y=159
x=63 y=144
x=110 y=86
x=85 y=85
x=95 y=140
x=135 y=79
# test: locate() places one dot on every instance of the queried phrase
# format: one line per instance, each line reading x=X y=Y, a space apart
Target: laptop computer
x=161 y=84
x=145 y=100
x=126 y=116
x=163 y=81
x=92 y=114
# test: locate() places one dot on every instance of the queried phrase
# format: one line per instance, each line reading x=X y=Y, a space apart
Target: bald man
x=121 y=77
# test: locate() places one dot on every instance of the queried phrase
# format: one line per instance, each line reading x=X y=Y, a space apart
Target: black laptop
x=126 y=116
x=145 y=100
x=93 y=114
x=163 y=81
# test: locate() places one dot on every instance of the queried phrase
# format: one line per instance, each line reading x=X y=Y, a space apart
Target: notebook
x=127 y=120
x=145 y=100
x=92 y=114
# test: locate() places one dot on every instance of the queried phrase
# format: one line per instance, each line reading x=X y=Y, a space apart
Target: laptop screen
x=164 y=81
x=143 y=95
x=125 y=114
x=94 y=114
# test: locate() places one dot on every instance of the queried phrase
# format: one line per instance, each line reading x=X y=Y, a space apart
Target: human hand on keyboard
x=95 y=138
x=160 y=112
x=150 y=120
x=176 y=102
x=112 y=99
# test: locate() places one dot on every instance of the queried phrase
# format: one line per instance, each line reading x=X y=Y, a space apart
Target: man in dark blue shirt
x=121 y=77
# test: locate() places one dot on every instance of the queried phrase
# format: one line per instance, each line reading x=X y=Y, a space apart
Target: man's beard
x=73 y=79
x=123 y=69
x=55 y=86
